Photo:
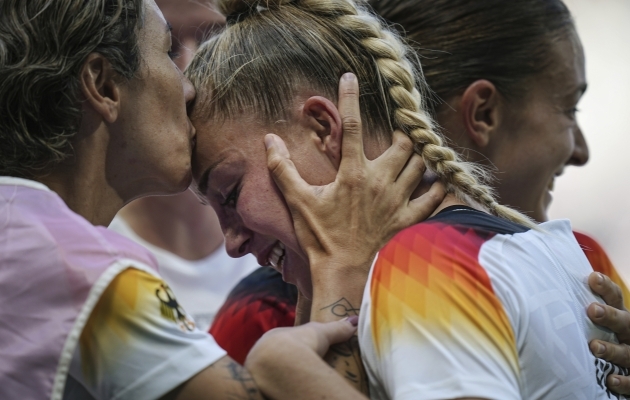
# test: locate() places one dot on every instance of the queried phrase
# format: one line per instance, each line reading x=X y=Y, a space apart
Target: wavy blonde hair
x=273 y=49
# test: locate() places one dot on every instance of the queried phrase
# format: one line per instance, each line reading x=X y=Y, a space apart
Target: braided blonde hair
x=272 y=49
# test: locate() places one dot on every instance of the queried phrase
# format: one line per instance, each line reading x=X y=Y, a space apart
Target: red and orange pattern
x=429 y=276
x=601 y=263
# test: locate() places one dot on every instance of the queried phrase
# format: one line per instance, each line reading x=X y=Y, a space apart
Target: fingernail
x=600 y=278
x=349 y=76
x=600 y=349
x=269 y=141
x=354 y=320
x=614 y=381
x=598 y=311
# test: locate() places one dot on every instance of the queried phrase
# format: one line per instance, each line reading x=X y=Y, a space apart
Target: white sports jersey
x=469 y=305
x=138 y=343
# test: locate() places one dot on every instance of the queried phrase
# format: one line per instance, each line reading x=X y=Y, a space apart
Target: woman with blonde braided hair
x=454 y=307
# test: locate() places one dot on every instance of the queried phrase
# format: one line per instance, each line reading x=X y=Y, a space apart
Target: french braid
x=400 y=84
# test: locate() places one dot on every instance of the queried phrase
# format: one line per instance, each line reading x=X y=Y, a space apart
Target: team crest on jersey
x=172 y=310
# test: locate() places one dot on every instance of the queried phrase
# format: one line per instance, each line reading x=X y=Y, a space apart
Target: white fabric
x=539 y=278
x=137 y=346
x=201 y=286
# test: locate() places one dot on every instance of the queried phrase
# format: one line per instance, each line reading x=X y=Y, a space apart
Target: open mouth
x=276 y=257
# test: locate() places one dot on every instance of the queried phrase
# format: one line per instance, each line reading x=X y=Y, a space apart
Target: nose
x=580 y=154
x=237 y=243
x=189 y=91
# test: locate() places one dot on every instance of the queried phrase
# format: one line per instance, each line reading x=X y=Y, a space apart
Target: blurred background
x=596 y=197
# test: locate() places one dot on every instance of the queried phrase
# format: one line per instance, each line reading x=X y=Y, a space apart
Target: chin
x=177 y=183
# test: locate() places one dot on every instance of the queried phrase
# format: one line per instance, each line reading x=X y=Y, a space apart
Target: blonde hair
x=273 y=49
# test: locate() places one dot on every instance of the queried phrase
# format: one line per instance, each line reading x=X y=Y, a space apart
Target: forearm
x=287 y=369
x=333 y=299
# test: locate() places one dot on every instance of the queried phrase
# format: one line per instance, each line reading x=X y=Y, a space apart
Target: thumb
x=335 y=332
x=282 y=168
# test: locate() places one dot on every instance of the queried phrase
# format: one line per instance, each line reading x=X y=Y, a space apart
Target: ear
x=480 y=110
x=322 y=116
x=100 y=86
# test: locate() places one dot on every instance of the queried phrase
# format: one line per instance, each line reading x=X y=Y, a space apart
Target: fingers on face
x=282 y=169
x=607 y=289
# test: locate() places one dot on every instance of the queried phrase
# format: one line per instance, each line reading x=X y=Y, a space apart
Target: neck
x=178 y=224
x=82 y=183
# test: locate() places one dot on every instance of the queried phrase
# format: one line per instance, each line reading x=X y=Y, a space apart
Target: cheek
x=263 y=211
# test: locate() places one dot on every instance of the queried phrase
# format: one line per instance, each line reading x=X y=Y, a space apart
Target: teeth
x=277 y=255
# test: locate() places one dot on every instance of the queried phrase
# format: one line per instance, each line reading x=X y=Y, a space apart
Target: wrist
x=330 y=269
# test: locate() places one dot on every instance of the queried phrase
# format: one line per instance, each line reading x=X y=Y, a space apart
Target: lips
x=551 y=184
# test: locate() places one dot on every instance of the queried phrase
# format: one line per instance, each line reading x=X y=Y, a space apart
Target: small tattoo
x=342 y=308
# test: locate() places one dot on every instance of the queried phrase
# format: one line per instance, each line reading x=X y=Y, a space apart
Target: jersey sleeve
x=260 y=302
x=601 y=263
x=438 y=328
x=138 y=342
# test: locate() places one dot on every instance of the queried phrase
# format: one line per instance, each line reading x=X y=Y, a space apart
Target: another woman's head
x=84 y=75
x=276 y=69
x=508 y=76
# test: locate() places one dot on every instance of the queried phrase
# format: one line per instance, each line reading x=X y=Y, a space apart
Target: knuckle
x=405 y=144
x=418 y=163
x=351 y=124
x=350 y=91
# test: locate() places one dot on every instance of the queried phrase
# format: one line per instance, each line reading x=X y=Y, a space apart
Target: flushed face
x=230 y=166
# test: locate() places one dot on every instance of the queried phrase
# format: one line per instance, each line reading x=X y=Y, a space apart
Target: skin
x=136 y=139
x=508 y=134
x=180 y=224
x=254 y=216
x=541 y=126
x=96 y=182
x=230 y=165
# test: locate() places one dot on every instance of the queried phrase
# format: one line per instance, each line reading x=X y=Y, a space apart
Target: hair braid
x=341 y=35
x=391 y=56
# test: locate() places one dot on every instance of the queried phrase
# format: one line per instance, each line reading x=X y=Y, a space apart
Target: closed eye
x=232 y=198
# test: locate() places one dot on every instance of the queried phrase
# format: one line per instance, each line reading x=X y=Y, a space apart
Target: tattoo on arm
x=342 y=308
x=244 y=386
x=345 y=357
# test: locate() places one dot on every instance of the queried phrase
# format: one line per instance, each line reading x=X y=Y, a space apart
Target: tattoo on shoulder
x=342 y=308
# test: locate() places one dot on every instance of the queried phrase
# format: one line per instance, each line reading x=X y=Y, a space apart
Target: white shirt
x=202 y=285
x=456 y=308
x=138 y=343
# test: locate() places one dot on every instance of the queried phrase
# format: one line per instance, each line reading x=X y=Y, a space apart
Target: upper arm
x=225 y=379
x=438 y=329
x=139 y=342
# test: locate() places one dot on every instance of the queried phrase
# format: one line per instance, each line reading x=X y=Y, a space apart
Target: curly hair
x=43 y=46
